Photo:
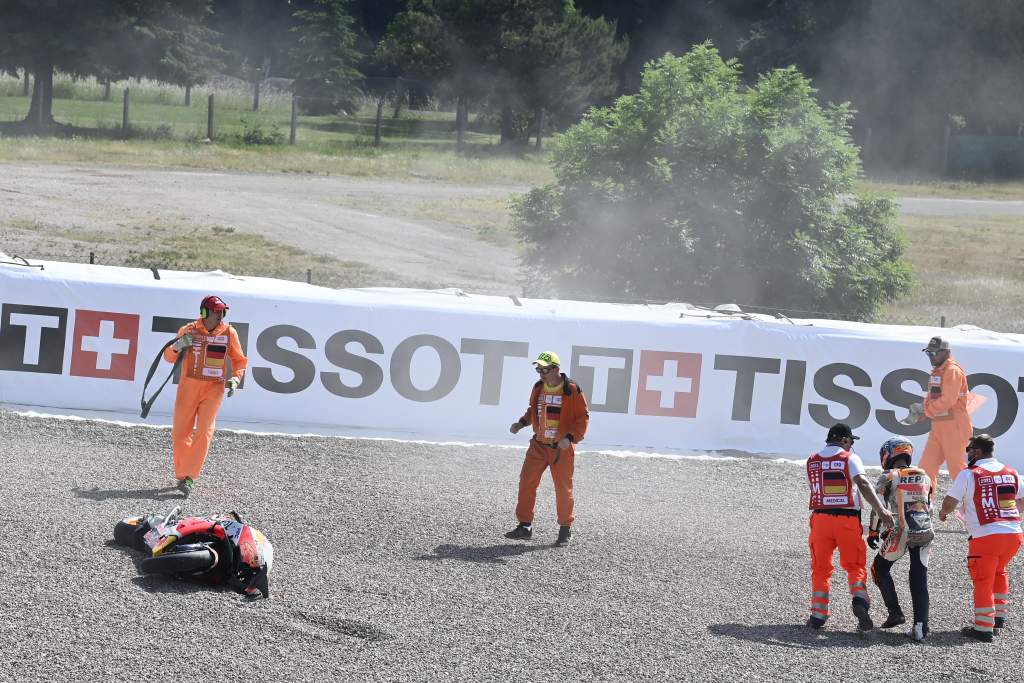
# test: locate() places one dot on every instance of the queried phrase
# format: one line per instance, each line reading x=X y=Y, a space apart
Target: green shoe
x=185 y=486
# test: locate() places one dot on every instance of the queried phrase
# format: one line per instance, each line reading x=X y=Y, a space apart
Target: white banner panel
x=442 y=365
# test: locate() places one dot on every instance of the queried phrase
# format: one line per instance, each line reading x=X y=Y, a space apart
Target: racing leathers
x=907 y=493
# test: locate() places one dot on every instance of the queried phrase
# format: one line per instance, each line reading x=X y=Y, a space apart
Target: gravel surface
x=391 y=565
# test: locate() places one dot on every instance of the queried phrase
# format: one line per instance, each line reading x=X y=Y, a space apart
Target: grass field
x=968 y=269
x=163 y=132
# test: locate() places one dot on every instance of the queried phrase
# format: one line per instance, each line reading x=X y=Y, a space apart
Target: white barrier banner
x=442 y=365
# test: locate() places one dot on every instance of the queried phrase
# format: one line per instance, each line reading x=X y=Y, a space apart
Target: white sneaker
x=919 y=631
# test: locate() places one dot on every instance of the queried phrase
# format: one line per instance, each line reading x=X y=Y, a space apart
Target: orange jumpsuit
x=553 y=416
x=201 y=391
x=946 y=405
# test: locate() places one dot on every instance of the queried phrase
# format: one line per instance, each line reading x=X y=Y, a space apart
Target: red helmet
x=212 y=304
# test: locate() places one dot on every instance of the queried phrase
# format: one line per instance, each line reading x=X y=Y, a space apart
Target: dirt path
x=345 y=218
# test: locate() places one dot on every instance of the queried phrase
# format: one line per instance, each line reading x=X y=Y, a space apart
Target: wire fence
x=380 y=111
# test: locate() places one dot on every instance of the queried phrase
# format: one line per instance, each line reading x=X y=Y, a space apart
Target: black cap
x=840 y=430
x=984 y=442
x=936 y=344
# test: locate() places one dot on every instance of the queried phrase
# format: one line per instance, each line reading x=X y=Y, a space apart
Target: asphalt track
x=391 y=566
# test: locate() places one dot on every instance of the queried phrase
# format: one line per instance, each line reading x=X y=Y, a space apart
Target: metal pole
x=309 y=276
x=942 y=321
x=92 y=257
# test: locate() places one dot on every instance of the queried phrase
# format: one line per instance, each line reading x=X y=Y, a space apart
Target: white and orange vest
x=830 y=482
x=995 y=495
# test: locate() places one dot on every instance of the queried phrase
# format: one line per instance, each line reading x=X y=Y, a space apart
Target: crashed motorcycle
x=220 y=549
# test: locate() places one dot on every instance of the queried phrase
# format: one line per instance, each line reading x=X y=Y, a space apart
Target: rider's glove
x=873 y=540
x=183 y=342
x=232 y=385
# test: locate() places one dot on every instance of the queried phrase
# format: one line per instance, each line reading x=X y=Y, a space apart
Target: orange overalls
x=835 y=523
x=201 y=391
x=553 y=415
x=946 y=405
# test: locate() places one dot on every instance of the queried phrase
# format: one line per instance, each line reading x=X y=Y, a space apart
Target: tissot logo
x=32 y=338
x=104 y=345
x=353 y=364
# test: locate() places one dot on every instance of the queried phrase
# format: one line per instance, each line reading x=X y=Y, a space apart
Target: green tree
x=98 y=37
x=325 y=57
x=565 y=65
x=698 y=188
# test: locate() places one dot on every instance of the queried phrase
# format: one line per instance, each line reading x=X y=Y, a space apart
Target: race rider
x=837 y=481
x=207 y=343
x=559 y=416
x=992 y=495
x=907 y=492
x=946 y=405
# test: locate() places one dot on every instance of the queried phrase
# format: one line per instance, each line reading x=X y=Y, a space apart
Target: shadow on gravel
x=329 y=628
x=96 y=493
x=801 y=637
x=491 y=554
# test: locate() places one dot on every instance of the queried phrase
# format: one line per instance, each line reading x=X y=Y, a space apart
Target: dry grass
x=188 y=247
x=951 y=189
x=968 y=269
x=439 y=165
x=479 y=218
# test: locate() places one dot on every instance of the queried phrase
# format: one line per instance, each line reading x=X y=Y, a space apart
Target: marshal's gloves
x=873 y=540
x=516 y=426
x=564 y=442
x=915 y=415
x=232 y=385
x=183 y=342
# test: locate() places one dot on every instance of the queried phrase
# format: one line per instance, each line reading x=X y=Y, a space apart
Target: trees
x=525 y=55
x=324 y=58
x=99 y=37
x=697 y=188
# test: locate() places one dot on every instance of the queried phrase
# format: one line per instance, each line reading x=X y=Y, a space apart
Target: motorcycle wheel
x=184 y=562
x=131 y=531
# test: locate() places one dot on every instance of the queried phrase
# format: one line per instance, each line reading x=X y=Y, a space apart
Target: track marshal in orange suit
x=208 y=344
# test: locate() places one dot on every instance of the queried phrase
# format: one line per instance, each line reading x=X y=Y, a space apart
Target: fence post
x=106 y=90
x=942 y=321
x=24 y=84
x=92 y=258
x=124 y=112
x=209 y=118
x=256 y=96
x=295 y=120
x=309 y=276
x=376 y=127
x=945 y=153
x=188 y=95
